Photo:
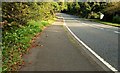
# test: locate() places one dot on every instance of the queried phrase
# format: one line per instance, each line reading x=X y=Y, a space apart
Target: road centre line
x=93 y=26
x=89 y=49
x=102 y=28
x=116 y=32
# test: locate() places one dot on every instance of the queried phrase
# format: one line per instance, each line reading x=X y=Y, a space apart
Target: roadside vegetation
x=16 y=43
x=105 y=22
x=22 y=21
x=93 y=10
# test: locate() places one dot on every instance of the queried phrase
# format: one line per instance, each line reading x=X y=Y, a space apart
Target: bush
x=20 y=20
x=116 y=19
x=94 y=15
x=44 y=23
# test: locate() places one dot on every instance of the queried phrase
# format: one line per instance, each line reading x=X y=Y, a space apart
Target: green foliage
x=93 y=10
x=44 y=23
x=112 y=8
x=116 y=19
x=22 y=12
x=86 y=9
x=94 y=15
x=14 y=12
x=20 y=20
x=56 y=7
x=15 y=43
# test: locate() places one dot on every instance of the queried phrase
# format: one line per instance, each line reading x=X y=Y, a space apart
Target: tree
x=22 y=12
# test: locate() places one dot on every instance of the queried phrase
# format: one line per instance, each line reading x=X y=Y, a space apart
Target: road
x=55 y=51
x=103 y=39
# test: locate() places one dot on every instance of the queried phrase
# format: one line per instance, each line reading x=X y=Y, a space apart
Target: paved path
x=57 y=53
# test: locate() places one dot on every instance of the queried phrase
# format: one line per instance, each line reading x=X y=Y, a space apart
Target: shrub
x=94 y=15
x=116 y=19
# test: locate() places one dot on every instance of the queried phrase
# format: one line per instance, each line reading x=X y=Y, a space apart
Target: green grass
x=0 y=69
x=103 y=22
x=0 y=61
x=15 y=43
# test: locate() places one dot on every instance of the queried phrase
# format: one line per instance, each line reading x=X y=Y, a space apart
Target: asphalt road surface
x=103 y=39
x=55 y=51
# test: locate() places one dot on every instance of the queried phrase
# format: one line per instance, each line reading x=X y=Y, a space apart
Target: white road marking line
x=83 y=23
x=95 y=54
x=93 y=26
x=116 y=32
x=101 y=28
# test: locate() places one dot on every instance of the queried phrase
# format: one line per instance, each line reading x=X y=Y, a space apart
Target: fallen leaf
x=46 y=35
x=41 y=45
x=30 y=62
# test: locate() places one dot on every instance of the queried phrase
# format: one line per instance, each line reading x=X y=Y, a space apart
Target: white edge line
x=95 y=54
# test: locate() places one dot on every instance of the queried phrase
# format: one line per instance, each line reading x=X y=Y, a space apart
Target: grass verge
x=103 y=22
x=16 y=41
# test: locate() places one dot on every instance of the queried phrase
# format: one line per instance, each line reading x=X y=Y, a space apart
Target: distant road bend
x=103 y=39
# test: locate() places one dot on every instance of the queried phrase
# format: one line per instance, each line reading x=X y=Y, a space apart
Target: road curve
x=56 y=52
x=103 y=39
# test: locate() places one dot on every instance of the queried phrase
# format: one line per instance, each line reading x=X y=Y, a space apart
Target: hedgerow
x=21 y=21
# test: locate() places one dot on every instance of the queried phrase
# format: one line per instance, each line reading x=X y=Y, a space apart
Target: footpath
x=56 y=51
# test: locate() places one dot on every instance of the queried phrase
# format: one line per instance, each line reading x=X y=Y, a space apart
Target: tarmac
x=57 y=51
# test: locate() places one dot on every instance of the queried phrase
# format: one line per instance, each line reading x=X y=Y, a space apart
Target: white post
x=101 y=16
